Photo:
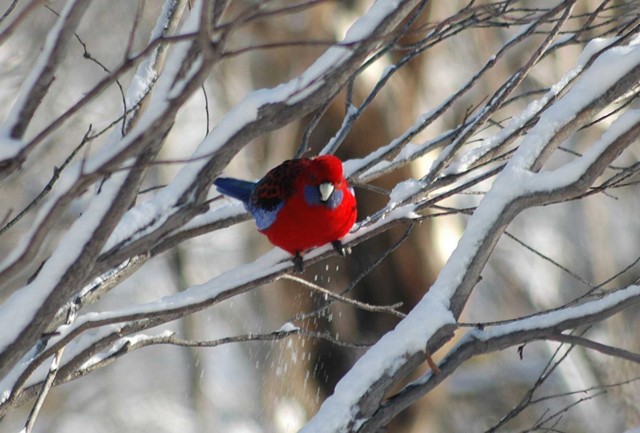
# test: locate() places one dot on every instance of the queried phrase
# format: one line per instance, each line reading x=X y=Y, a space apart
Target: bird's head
x=323 y=178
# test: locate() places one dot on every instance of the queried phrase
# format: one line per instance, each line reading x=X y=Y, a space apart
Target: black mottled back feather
x=278 y=184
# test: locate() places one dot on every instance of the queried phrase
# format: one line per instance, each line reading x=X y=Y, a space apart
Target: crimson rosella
x=300 y=204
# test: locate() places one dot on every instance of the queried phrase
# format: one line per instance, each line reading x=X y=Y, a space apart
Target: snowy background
x=473 y=135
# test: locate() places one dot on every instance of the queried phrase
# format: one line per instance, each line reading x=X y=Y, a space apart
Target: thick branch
x=545 y=326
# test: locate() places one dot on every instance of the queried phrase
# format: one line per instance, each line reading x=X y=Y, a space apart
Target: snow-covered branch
x=492 y=134
x=484 y=340
x=517 y=188
x=104 y=234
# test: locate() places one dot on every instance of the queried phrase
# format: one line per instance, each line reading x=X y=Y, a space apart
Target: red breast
x=300 y=226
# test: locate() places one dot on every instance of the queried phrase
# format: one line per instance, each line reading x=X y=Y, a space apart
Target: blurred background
x=273 y=387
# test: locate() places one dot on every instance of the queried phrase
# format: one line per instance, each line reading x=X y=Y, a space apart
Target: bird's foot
x=298 y=264
x=341 y=249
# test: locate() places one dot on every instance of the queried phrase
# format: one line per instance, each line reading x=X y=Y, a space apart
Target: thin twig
x=51 y=375
x=390 y=309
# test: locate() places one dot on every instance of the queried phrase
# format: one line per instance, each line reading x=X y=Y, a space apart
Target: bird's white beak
x=326 y=189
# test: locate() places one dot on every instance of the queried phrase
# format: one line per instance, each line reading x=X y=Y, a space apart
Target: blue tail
x=236 y=188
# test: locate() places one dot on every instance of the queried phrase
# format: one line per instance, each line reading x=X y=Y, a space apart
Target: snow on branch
x=487 y=339
x=35 y=87
x=619 y=70
x=102 y=233
x=110 y=327
x=117 y=233
x=71 y=265
x=259 y=112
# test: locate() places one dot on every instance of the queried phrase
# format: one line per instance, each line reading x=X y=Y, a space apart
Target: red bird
x=300 y=204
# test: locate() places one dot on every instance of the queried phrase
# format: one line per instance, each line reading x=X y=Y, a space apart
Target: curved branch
x=545 y=326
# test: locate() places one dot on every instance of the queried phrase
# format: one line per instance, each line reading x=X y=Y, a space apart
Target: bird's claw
x=298 y=264
x=341 y=249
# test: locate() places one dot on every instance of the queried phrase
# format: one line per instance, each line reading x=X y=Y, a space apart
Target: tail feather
x=236 y=188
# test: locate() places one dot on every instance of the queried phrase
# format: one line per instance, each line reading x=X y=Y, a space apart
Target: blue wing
x=243 y=191
x=265 y=217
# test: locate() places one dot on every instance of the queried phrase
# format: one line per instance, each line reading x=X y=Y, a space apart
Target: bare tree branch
x=501 y=141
